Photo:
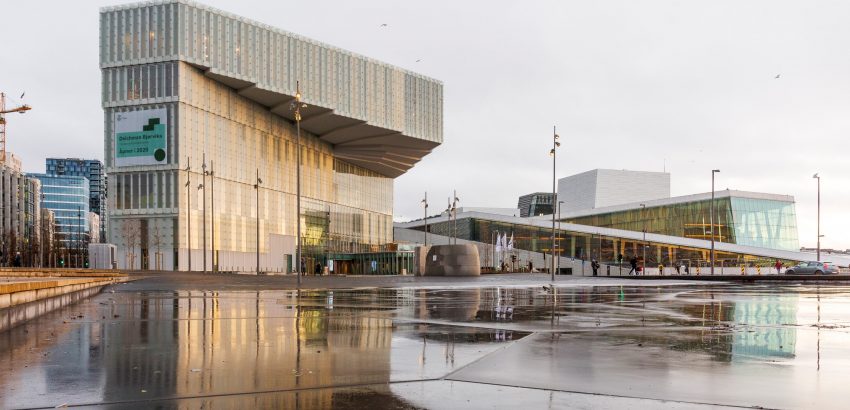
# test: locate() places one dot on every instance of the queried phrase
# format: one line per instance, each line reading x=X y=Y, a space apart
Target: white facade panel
x=608 y=187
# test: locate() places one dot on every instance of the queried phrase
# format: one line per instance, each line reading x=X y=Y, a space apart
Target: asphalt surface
x=222 y=342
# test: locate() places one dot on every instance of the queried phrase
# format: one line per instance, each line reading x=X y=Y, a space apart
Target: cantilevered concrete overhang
x=385 y=151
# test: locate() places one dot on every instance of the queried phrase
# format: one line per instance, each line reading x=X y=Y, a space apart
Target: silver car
x=815 y=268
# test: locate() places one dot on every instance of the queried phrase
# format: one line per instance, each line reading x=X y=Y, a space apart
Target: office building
x=93 y=170
x=201 y=141
x=68 y=198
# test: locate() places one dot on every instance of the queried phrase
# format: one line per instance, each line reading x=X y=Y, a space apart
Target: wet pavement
x=501 y=342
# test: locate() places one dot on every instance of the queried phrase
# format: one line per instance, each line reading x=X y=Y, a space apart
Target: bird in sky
x=384 y=25
x=22 y=94
x=418 y=60
x=777 y=76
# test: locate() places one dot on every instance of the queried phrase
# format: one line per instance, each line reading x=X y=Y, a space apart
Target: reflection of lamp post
x=296 y=106
x=552 y=152
x=425 y=205
x=816 y=176
x=257 y=188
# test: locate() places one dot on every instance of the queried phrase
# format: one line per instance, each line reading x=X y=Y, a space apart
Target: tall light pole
x=816 y=176
x=552 y=152
x=79 y=236
x=202 y=186
x=560 y=247
x=711 y=218
x=42 y=235
x=643 y=220
x=425 y=205
x=211 y=173
x=454 y=213
x=296 y=106
x=188 y=214
x=257 y=188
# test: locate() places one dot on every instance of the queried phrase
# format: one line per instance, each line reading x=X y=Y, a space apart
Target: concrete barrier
x=453 y=260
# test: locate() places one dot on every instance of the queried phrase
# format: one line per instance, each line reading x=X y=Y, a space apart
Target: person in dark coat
x=594 y=264
x=633 y=262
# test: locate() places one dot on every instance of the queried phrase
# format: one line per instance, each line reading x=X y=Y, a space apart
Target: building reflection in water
x=231 y=342
x=771 y=327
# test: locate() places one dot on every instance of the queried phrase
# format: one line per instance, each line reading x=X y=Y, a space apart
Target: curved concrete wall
x=453 y=260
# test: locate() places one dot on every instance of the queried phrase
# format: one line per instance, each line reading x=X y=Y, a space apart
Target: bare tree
x=130 y=232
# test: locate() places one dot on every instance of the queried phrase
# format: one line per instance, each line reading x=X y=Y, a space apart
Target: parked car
x=812 y=268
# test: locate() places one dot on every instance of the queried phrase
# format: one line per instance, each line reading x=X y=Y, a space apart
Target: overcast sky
x=630 y=84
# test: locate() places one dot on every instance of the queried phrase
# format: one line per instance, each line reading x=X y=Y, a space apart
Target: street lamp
x=296 y=107
x=816 y=176
x=560 y=248
x=425 y=205
x=711 y=218
x=202 y=186
x=257 y=188
x=454 y=213
x=211 y=174
x=552 y=152
x=188 y=215
x=643 y=220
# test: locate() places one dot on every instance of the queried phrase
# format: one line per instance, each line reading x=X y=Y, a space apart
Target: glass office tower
x=68 y=198
x=198 y=110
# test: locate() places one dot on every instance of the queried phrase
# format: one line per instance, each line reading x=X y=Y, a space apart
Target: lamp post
x=257 y=188
x=552 y=152
x=560 y=248
x=454 y=213
x=643 y=220
x=188 y=215
x=816 y=176
x=79 y=236
x=42 y=235
x=425 y=205
x=202 y=186
x=711 y=218
x=296 y=106
x=211 y=174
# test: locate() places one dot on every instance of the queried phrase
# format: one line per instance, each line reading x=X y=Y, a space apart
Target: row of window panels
x=373 y=86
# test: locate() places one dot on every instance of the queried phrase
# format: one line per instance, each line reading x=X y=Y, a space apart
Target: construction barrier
x=743 y=270
x=758 y=270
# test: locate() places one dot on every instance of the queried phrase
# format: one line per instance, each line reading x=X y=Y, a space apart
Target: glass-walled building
x=92 y=169
x=744 y=218
x=68 y=198
x=201 y=141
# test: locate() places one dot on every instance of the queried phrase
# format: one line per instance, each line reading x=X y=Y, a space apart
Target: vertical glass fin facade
x=197 y=106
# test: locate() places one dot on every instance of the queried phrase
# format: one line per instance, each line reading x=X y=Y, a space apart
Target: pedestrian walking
x=778 y=266
x=633 y=262
x=595 y=266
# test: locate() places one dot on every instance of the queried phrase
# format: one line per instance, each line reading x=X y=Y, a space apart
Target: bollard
x=743 y=269
x=758 y=270
x=608 y=270
x=697 y=270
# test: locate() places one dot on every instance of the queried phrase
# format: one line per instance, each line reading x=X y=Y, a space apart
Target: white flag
x=498 y=243
x=505 y=241
x=511 y=242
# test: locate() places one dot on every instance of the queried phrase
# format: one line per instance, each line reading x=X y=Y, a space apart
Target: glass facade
x=196 y=67
x=585 y=246
x=745 y=221
x=92 y=169
x=68 y=198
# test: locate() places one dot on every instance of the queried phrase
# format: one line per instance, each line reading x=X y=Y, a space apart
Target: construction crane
x=20 y=109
